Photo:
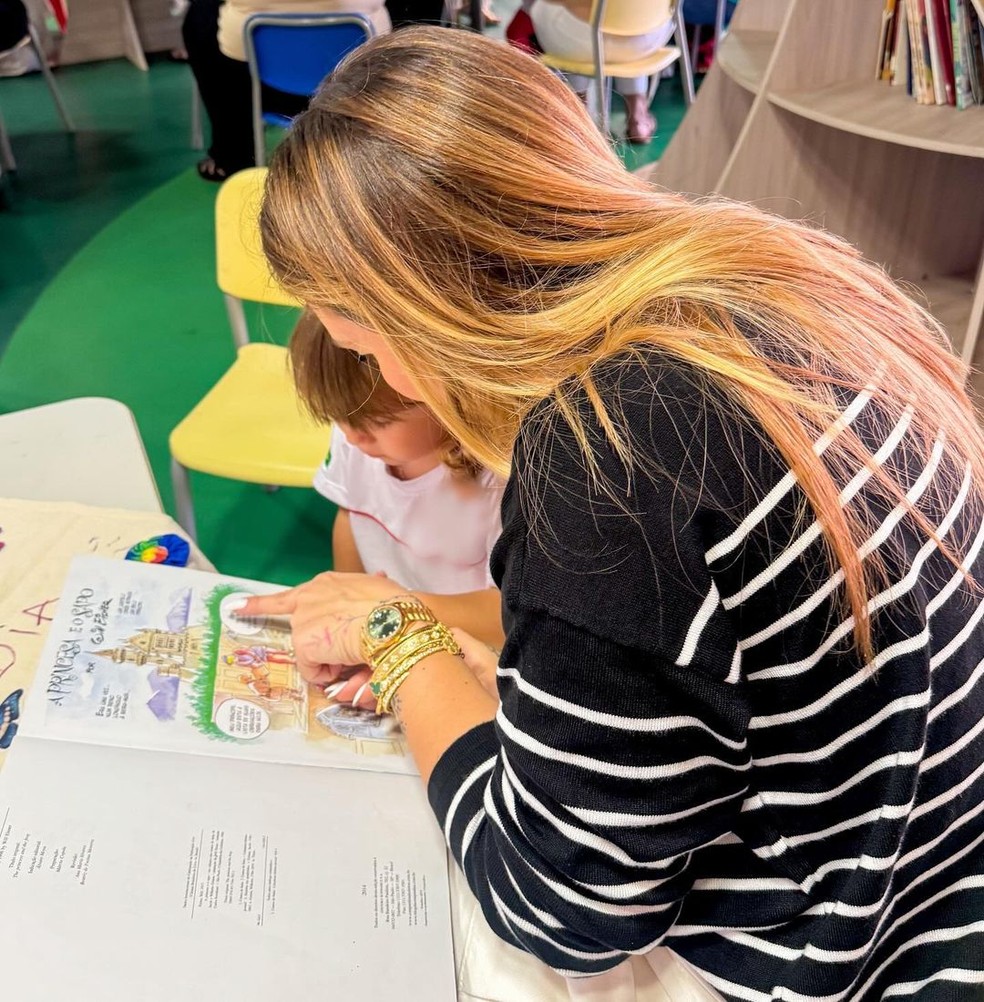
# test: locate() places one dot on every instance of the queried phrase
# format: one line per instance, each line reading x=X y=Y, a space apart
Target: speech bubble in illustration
x=241 y=718
x=244 y=626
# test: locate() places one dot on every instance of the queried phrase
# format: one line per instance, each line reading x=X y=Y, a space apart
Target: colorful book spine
x=900 y=52
x=917 y=55
x=944 y=41
x=886 y=41
x=961 y=56
x=935 y=56
x=975 y=68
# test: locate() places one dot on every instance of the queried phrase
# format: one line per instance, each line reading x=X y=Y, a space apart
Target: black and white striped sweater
x=689 y=752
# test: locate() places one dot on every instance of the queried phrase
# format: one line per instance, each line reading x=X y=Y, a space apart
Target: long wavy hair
x=453 y=195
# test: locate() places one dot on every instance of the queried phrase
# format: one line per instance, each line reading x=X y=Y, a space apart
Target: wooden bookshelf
x=791 y=119
x=887 y=113
x=746 y=56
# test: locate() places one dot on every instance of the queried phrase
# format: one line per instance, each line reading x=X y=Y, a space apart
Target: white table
x=86 y=450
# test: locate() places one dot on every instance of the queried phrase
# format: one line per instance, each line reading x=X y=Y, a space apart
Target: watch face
x=383 y=623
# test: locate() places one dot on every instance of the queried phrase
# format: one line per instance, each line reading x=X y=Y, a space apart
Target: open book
x=168 y=826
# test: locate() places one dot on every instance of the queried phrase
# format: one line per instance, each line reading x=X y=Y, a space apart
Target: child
x=411 y=505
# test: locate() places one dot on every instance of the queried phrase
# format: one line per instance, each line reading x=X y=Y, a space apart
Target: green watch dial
x=383 y=623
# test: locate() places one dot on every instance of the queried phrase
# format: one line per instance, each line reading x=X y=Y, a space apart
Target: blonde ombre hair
x=453 y=195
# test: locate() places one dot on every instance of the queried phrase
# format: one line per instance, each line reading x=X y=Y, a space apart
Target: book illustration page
x=155 y=657
x=38 y=540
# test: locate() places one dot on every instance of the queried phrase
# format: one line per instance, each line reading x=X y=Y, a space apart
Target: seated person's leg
x=640 y=124
x=224 y=86
x=13 y=23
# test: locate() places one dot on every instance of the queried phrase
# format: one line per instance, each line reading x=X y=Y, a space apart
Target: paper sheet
x=154 y=876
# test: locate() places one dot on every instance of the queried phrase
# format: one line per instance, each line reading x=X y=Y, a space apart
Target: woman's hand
x=481 y=660
x=326 y=617
x=352 y=685
x=353 y=688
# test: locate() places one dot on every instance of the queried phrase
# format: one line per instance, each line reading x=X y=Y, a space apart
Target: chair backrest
x=632 y=17
x=241 y=269
x=295 y=52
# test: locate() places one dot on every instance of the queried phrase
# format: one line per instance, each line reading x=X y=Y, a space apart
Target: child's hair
x=338 y=385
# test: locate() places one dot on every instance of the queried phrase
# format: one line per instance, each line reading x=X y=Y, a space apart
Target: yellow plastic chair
x=251 y=425
x=630 y=17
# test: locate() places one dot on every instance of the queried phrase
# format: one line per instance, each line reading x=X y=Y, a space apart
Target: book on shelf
x=944 y=44
x=964 y=95
x=899 y=70
x=975 y=45
x=935 y=48
x=886 y=43
x=182 y=816
x=937 y=56
x=922 y=84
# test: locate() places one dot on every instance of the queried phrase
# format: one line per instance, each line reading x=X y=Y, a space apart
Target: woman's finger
x=354 y=689
x=281 y=603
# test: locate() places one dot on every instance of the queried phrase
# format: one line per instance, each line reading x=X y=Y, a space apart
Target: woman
x=740 y=694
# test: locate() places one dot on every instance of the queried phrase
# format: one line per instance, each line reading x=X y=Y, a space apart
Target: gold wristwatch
x=395 y=636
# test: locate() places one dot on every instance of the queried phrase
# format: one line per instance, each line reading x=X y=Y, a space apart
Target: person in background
x=13 y=28
x=741 y=698
x=563 y=29
x=213 y=37
x=406 y=12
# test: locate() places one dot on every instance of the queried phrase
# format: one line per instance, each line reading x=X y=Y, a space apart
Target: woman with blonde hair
x=740 y=705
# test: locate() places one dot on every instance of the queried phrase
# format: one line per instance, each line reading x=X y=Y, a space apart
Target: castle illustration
x=172 y=654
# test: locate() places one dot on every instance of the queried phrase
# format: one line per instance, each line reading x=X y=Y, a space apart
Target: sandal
x=209 y=170
x=640 y=130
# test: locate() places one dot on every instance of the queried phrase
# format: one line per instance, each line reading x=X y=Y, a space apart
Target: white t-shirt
x=431 y=534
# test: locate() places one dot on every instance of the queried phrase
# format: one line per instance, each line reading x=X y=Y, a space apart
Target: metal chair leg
x=237 y=321
x=49 y=78
x=601 y=95
x=686 y=67
x=7 y=161
x=182 y=499
x=719 y=23
x=259 y=140
x=197 y=135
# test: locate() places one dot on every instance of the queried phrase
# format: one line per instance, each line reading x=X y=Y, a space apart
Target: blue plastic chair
x=294 y=53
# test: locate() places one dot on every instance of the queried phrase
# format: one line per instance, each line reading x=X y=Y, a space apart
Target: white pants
x=562 y=34
x=490 y=970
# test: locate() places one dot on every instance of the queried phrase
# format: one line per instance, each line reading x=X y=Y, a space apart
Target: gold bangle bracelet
x=408 y=654
x=391 y=671
x=385 y=661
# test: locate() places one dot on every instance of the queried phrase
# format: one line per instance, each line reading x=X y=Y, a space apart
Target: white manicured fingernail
x=334 y=689
x=358 y=695
x=235 y=606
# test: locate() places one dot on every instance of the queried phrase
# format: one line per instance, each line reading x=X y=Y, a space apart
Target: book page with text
x=154 y=876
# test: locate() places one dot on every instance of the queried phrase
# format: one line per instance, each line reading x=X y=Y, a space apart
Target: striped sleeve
x=564 y=783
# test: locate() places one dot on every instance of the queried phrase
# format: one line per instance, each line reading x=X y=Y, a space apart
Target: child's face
x=404 y=441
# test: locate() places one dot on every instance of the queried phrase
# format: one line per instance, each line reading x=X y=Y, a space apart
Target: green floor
x=107 y=286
